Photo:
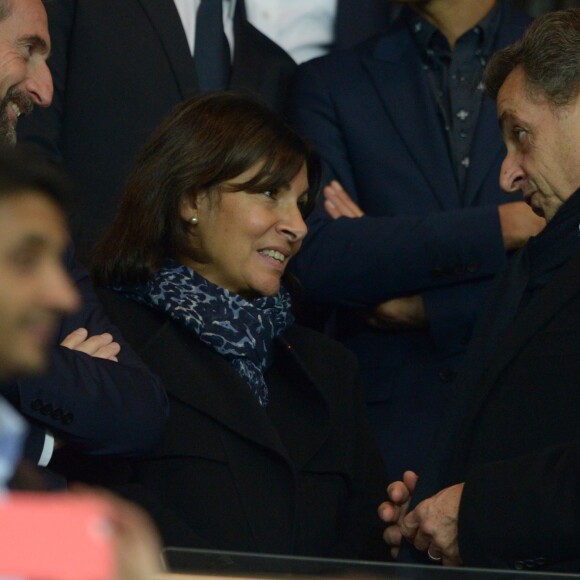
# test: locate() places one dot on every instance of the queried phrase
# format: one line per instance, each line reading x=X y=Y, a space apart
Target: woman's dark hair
x=200 y=145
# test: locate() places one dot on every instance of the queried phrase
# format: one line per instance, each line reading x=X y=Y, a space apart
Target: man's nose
x=511 y=175
x=39 y=85
x=60 y=293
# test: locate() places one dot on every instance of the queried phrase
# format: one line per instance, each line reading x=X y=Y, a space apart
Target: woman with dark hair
x=267 y=447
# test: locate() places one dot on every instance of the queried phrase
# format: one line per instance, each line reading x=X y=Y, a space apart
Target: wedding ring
x=433 y=558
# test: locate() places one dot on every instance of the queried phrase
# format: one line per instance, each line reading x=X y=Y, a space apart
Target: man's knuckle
x=428 y=527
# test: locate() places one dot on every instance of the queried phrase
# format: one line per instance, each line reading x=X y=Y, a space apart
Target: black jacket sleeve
x=99 y=406
x=523 y=513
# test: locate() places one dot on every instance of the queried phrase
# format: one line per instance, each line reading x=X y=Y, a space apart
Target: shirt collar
x=428 y=37
x=230 y=6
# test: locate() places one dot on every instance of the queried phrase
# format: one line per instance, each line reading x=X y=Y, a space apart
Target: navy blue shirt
x=455 y=77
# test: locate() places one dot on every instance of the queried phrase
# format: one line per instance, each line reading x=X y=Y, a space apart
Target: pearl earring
x=193 y=220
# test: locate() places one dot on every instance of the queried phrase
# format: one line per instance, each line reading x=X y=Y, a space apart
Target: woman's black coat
x=302 y=476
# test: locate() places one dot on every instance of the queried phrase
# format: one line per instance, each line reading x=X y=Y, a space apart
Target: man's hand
x=338 y=203
x=393 y=511
x=432 y=526
x=518 y=223
x=99 y=346
x=404 y=312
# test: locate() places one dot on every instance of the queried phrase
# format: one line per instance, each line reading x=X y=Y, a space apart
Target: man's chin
x=531 y=200
x=15 y=103
x=34 y=365
x=23 y=366
x=7 y=132
x=33 y=354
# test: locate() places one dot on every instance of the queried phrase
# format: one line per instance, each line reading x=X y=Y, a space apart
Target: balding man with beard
x=25 y=79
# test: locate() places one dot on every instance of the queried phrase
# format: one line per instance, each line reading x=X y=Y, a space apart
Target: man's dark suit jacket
x=512 y=431
x=370 y=114
x=357 y=20
x=119 y=67
x=302 y=476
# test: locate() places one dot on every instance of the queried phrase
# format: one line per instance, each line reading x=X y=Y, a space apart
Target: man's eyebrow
x=505 y=116
x=30 y=242
x=37 y=42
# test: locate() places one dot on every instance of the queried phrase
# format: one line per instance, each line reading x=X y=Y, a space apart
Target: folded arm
x=100 y=399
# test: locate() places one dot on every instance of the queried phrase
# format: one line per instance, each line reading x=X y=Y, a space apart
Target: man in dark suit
x=35 y=292
x=96 y=394
x=501 y=486
x=25 y=80
x=118 y=68
x=400 y=121
x=35 y=288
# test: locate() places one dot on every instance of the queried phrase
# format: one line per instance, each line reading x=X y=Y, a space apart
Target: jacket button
x=519 y=565
x=46 y=409
x=67 y=419
x=36 y=404
x=57 y=414
x=541 y=561
x=530 y=564
x=473 y=267
x=447 y=375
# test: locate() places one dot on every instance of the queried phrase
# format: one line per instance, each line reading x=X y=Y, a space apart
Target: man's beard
x=7 y=126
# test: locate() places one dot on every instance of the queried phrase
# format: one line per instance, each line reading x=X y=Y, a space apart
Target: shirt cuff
x=47 y=450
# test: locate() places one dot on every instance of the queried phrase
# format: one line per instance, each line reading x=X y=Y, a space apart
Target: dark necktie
x=212 y=51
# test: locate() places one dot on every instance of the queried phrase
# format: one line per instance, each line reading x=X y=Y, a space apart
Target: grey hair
x=549 y=54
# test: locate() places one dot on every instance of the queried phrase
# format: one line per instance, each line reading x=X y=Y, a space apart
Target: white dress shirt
x=303 y=28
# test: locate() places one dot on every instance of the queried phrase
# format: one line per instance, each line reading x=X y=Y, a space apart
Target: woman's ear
x=188 y=209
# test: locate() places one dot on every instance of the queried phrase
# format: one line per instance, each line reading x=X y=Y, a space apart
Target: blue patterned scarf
x=242 y=331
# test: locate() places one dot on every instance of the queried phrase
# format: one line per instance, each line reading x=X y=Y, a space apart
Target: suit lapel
x=453 y=439
x=205 y=381
x=356 y=21
x=300 y=356
x=247 y=68
x=165 y=20
x=540 y=310
x=396 y=71
x=548 y=301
